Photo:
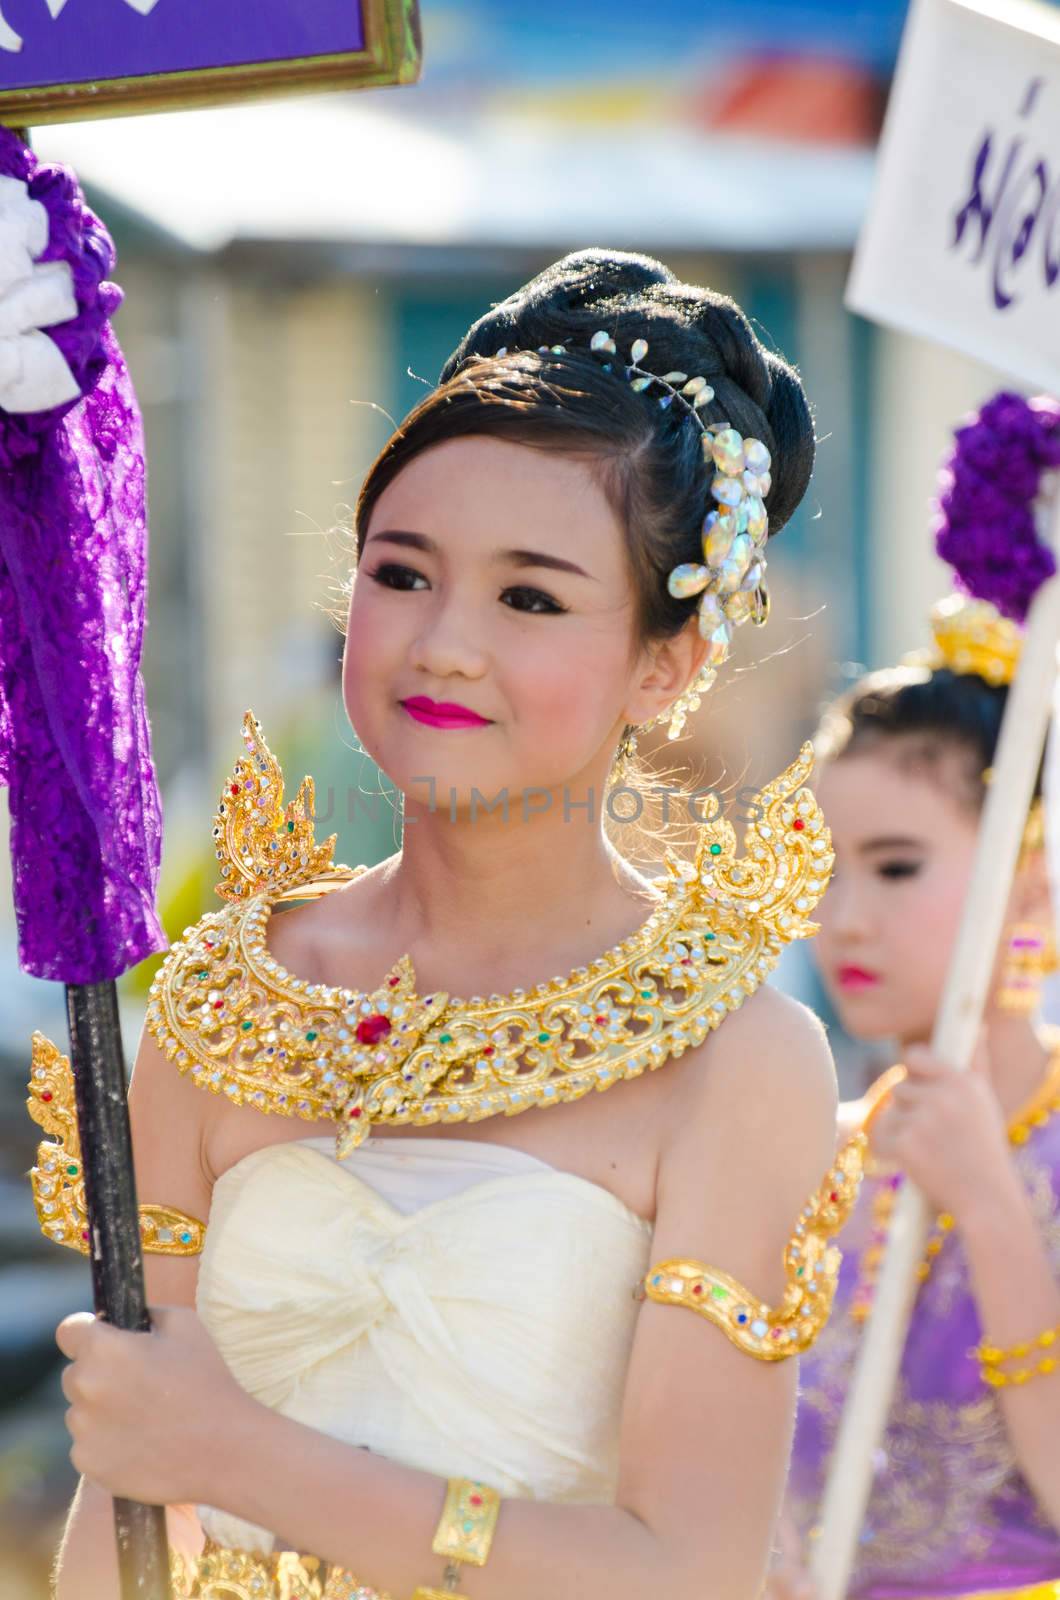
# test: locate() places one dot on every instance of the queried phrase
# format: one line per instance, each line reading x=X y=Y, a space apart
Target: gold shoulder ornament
x=811 y=1268
x=58 y=1181
x=228 y=1014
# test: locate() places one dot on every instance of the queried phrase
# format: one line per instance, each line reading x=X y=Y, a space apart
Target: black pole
x=114 y=1241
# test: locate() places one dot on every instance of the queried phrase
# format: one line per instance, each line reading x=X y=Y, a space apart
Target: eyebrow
x=891 y=842
x=516 y=558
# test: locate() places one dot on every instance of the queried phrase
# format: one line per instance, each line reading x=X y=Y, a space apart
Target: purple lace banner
x=86 y=829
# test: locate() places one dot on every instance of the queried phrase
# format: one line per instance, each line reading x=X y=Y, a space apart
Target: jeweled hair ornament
x=730 y=580
x=972 y=637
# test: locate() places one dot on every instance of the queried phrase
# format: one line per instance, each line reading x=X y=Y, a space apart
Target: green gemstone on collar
x=290 y=827
x=246 y=1026
x=310 y=1036
x=71 y=1172
x=645 y=994
x=445 y=1038
x=715 y=849
x=203 y=976
x=543 y=1038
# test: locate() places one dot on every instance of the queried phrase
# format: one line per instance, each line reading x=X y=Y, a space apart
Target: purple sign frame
x=62 y=60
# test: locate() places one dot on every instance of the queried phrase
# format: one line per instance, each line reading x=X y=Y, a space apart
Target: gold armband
x=811 y=1267
x=465 y=1533
x=58 y=1177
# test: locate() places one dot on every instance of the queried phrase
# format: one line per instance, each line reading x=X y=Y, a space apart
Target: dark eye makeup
x=898 y=869
x=518 y=597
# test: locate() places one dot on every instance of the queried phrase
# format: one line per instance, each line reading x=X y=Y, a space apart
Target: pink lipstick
x=854 y=978
x=443 y=713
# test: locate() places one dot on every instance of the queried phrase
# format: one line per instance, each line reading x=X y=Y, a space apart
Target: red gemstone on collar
x=371 y=1029
x=798 y=824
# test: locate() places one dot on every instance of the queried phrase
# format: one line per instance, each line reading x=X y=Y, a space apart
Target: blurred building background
x=297 y=272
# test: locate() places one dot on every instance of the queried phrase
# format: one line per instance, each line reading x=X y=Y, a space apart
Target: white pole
x=957 y=1026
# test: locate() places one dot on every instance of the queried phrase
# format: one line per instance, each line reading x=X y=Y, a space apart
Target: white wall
x=920 y=393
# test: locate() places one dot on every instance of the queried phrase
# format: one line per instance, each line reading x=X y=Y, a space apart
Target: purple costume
x=949 y=1513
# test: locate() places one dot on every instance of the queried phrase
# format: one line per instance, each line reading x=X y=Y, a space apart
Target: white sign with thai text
x=962 y=241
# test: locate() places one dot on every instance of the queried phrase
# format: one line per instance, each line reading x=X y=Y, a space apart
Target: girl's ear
x=668 y=669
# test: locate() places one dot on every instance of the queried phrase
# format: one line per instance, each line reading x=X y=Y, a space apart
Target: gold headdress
x=971 y=636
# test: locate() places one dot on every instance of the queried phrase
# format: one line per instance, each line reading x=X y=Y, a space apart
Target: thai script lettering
x=1009 y=217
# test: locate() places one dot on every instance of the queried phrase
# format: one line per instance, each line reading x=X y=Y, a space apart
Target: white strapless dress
x=459 y=1307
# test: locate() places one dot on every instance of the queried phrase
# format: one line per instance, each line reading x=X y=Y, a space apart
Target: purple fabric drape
x=949 y=1512
x=75 y=750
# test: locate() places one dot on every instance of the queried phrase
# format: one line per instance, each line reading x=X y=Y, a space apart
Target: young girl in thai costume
x=966 y=1493
x=424 y=1338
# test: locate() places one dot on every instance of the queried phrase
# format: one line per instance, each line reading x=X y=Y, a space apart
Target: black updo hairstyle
x=649 y=458
x=925 y=714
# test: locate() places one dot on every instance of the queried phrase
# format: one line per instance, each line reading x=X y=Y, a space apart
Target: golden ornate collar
x=230 y=1015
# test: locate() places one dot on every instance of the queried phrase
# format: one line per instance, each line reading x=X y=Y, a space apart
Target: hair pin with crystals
x=730 y=581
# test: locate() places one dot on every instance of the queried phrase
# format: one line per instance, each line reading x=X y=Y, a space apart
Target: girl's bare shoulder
x=770 y=1051
x=170 y=1116
x=759 y=1104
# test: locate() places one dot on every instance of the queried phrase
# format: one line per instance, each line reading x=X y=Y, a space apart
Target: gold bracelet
x=991 y=1357
x=465 y=1533
x=811 y=1266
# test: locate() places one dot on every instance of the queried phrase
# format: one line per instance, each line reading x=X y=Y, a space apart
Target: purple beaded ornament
x=985 y=526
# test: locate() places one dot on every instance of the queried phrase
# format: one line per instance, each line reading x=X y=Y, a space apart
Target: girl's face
x=491 y=642
x=904 y=846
